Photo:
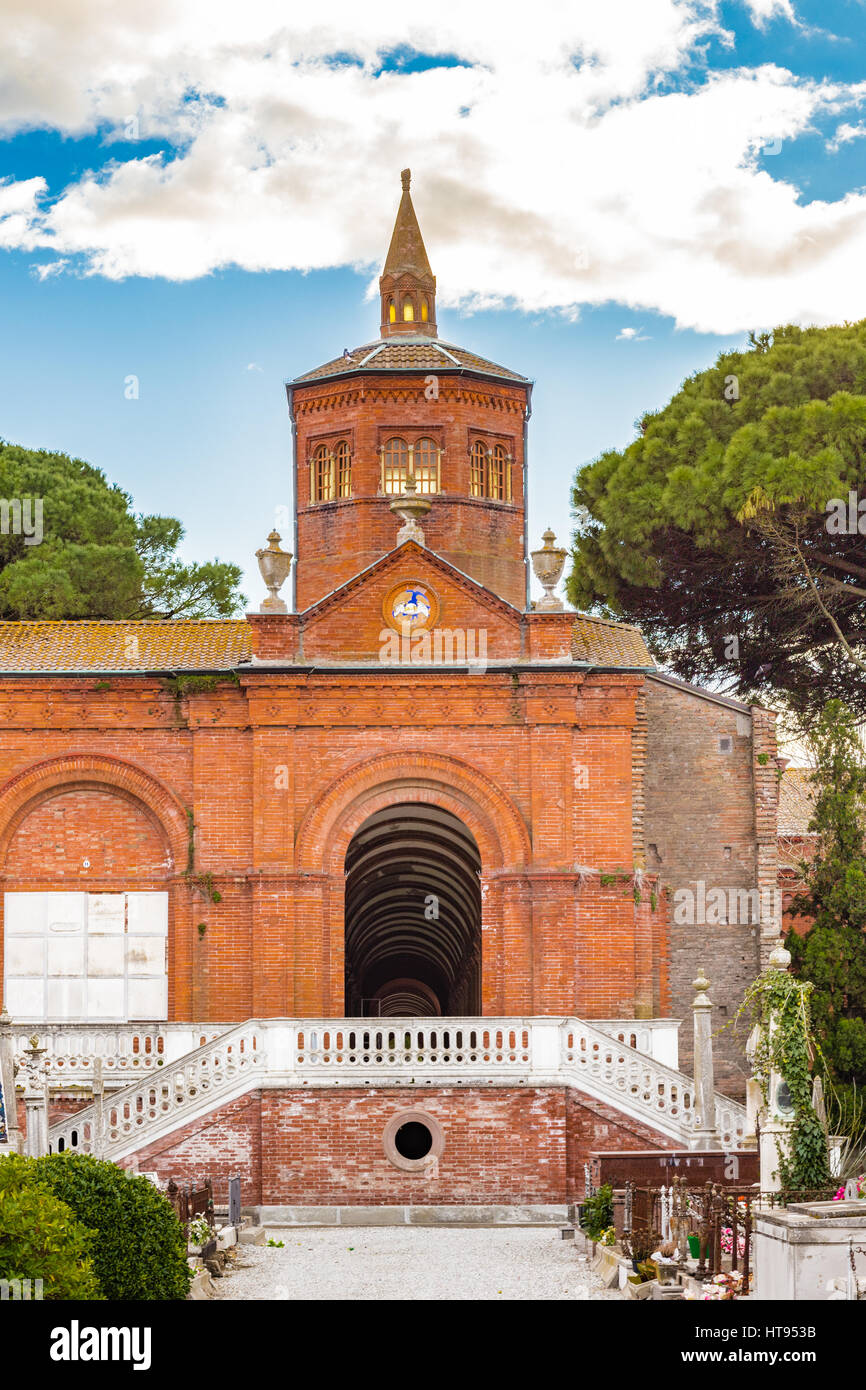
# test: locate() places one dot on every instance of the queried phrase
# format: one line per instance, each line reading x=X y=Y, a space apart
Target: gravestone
x=234 y=1201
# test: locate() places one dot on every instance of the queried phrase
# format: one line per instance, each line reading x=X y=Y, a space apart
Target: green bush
x=597 y=1212
x=140 y=1249
x=40 y=1237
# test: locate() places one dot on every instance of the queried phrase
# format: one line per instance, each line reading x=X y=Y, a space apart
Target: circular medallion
x=410 y=607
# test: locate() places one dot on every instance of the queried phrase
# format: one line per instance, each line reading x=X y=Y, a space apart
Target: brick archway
x=326 y=833
x=328 y=827
x=79 y=771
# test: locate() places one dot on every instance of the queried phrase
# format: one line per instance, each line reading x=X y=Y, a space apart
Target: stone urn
x=410 y=506
x=548 y=564
x=274 y=567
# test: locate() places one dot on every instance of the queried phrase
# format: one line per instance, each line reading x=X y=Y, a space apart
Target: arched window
x=322 y=475
x=426 y=465
x=477 y=461
x=343 y=469
x=423 y=310
x=408 y=311
x=497 y=466
x=392 y=311
x=395 y=465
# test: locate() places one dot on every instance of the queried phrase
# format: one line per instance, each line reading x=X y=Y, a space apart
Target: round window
x=413 y=1140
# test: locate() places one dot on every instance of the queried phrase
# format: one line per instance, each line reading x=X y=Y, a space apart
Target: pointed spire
x=407 y=284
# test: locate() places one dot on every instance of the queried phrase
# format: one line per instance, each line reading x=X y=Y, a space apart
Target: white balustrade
x=657 y=1037
x=126 y=1050
x=448 y=1051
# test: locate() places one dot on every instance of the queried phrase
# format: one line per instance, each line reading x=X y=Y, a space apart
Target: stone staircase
x=304 y=1053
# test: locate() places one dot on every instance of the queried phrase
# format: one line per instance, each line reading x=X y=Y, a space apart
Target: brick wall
x=276 y=775
x=482 y=538
x=699 y=826
x=325 y=1147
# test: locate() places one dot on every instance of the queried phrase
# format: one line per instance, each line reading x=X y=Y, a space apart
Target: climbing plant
x=787 y=1048
x=832 y=954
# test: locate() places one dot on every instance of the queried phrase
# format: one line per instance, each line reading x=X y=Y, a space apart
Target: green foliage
x=671 y=531
x=40 y=1237
x=833 y=954
x=139 y=1251
x=96 y=558
x=597 y=1212
x=787 y=1048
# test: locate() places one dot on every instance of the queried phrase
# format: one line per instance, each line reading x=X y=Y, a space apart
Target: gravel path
x=413 y=1263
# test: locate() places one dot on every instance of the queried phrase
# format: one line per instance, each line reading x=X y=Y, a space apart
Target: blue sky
x=206 y=209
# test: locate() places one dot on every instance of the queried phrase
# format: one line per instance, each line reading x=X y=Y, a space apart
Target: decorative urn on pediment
x=548 y=564
x=410 y=506
x=274 y=567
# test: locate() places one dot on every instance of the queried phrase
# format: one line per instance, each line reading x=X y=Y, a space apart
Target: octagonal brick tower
x=409 y=403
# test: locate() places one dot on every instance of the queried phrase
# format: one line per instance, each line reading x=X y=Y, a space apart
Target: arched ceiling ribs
x=413 y=912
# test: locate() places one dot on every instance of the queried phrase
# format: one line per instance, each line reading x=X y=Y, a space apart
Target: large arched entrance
x=413 y=915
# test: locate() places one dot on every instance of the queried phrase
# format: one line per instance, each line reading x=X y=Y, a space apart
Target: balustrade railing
x=126 y=1050
x=328 y=1052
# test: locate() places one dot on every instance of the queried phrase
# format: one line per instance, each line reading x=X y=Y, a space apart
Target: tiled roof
x=222 y=644
x=604 y=643
x=409 y=354
x=180 y=645
x=796 y=799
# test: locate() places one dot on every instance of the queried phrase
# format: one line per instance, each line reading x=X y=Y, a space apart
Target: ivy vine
x=788 y=1048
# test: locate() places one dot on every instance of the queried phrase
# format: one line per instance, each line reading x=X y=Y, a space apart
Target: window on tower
x=343 y=469
x=477 y=469
x=392 y=311
x=496 y=473
x=426 y=465
x=489 y=471
x=423 y=310
x=408 y=311
x=395 y=465
x=331 y=472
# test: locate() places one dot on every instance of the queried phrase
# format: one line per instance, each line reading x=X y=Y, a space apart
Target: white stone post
x=97 y=1142
x=7 y=1084
x=705 y=1135
x=778 y=1113
x=35 y=1100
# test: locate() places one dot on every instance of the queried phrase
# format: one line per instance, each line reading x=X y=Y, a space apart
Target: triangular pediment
x=411 y=592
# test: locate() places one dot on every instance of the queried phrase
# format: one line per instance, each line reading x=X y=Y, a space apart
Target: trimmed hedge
x=40 y=1237
x=139 y=1251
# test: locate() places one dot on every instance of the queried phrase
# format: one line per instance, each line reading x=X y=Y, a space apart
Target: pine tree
x=833 y=954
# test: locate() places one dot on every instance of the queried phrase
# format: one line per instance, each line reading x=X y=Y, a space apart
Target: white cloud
x=764 y=10
x=632 y=335
x=845 y=133
x=577 y=176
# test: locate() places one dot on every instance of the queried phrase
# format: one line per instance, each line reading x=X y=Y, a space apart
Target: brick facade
x=711 y=779
x=320 y=1147
x=230 y=764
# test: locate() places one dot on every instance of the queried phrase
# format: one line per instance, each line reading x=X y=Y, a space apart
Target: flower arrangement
x=726 y=1240
x=607 y=1237
x=720 y=1289
x=199 y=1231
x=860 y=1183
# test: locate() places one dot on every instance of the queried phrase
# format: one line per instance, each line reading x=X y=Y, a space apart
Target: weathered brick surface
x=321 y=1147
x=482 y=538
x=277 y=774
x=700 y=826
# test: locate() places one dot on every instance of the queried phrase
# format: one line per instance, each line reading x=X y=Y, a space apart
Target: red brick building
x=414 y=797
